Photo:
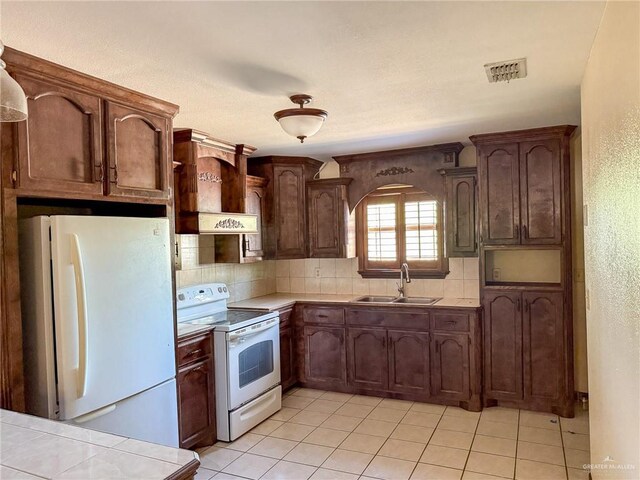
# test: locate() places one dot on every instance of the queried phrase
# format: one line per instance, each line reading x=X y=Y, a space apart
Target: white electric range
x=246 y=356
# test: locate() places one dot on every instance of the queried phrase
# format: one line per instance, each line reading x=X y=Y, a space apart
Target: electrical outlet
x=496 y=274
x=317 y=272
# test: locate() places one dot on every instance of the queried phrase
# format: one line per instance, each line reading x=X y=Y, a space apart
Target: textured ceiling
x=390 y=74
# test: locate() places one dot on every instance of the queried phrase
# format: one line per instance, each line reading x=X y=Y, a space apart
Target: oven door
x=253 y=355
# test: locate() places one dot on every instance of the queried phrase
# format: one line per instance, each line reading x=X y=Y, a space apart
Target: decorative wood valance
x=418 y=166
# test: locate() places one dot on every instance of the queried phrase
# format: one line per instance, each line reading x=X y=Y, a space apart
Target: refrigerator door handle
x=95 y=414
x=81 y=301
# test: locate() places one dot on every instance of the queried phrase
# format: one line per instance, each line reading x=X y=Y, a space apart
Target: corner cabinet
x=461 y=213
x=196 y=390
x=331 y=227
x=285 y=221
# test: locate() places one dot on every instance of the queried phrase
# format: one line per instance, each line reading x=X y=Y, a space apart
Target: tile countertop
x=279 y=301
x=36 y=448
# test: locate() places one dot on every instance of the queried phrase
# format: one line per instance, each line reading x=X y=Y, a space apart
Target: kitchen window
x=398 y=225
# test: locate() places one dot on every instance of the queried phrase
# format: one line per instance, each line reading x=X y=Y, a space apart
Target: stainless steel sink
x=375 y=299
x=417 y=300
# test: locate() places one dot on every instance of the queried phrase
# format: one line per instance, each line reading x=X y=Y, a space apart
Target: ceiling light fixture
x=301 y=122
x=13 y=101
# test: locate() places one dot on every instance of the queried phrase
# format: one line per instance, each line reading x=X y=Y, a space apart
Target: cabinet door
x=197 y=404
x=409 y=362
x=254 y=205
x=325 y=356
x=289 y=207
x=450 y=366
x=60 y=144
x=137 y=153
x=503 y=345
x=325 y=225
x=543 y=349
x=540 y=189
x=287 y=358
x=498 y=174
x=461 y=199
x=367 y=357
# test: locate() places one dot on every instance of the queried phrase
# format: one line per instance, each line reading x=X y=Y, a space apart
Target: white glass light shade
x=301 y=125
x=13 y=102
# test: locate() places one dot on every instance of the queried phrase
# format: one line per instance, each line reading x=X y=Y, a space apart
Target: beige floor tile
x=285 y=414
x=365 y=400
x=425 y=471
x=467 y=475
x=358 y=442
x=309 y=454
x=575 y=425
x=204 y=474
x=528 y=470
x=497 y=429
x=355 y=410
x=387 y=414
x=294 y=401
x=397 y=404
x=494 y=445
x=540 y=435
x=578 y=474
x=421 y=419
x=289 y=471
x=326 y=437
x=445 y=456
x=576 y=458
x=577 y=441
x=266 y=427
x=460 y=412
x=308 y=392
x=402 y=449
x=491 y=464
x=325 y=474
x=501 y=414
x=250 y=466
x=375 y=427
x=541 y=453
x=412 y=433
x=227 y=476
x=336 y=396
x=428 y=408
x=347 y=461
x=539 y=420
x=306 y=417
x=449 y=438
x=292 y=431
x=324 y=406
x=390 y=468
x=216 y=458
x=243 y=443
x=272 y=447
x=459 y=424
x=341 y=422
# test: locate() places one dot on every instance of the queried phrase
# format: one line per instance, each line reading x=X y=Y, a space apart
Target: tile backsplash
x=341 y=276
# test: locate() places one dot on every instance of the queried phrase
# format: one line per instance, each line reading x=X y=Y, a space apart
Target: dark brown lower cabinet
x=409 y=362
x=450 y=366
x=287 y=358
x=367 y=357
x=325 y=355
x=196 y=391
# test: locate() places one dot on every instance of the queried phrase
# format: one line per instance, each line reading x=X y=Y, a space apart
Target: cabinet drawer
x=194 y=349
x=285 y=318
x=323 y=315
x=389 y=318
x=450 y=322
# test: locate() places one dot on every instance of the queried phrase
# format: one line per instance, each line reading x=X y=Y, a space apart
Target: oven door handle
x=254 y=331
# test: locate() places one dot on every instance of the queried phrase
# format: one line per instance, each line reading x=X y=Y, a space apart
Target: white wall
x=611 y=175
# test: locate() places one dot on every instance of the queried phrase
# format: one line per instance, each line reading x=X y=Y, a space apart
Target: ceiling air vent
x=506 y=71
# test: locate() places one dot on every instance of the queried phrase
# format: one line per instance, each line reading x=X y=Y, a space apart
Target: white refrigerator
x=98 y=324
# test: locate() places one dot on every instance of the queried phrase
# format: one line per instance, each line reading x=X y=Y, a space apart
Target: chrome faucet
x=404 y=279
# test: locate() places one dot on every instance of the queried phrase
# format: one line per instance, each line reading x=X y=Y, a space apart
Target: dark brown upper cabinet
x=331 y=228
x=461 y=214
x=285 y=221
x=255 y=205
x=85 y=138
x=137 y=153
x=523 y=183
